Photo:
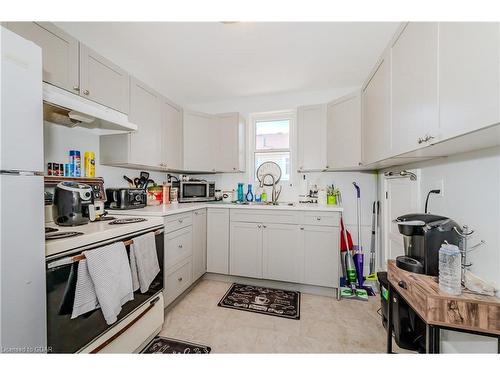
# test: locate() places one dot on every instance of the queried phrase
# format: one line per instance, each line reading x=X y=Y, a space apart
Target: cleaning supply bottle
x=258 y=194
x=263 y=196
x=241 y=196
x=249 y=195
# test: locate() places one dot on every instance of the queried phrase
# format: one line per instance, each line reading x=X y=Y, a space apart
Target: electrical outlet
x=438 y=185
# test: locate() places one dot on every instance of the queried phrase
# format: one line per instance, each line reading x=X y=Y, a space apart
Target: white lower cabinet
x=305 y=252
x=282 y=252
x=199 y=243
x=218 y=240
x=177 y=280
x=245 y=250
x=178 y=245
x=321 y=255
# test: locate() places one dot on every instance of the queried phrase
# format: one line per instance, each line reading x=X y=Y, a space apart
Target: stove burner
x=50 y=230
x=127 y=221
x=106 y=218
x=59 y=235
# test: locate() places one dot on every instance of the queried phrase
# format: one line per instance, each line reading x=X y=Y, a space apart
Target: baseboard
x=311 y=289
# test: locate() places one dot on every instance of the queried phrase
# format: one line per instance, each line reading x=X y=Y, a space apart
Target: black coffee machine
x=423 y=235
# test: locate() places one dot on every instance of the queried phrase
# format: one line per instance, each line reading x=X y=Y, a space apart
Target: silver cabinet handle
x=264 y=226
x=258 y=226
x=196 y=213
x=327 y=167
x=76 y=88
x=86 y=92
x=180 y=246
x=234 y=168
x=420 y=140
x=179 y=279
x=318 y=218
x=301 y=228
x=181 y=221
x=428 y=138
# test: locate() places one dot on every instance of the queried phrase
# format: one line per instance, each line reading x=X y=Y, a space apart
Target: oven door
x=193 y=191
x=66 y=335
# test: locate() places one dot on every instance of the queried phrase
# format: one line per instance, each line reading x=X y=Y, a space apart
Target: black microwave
x=195 y=191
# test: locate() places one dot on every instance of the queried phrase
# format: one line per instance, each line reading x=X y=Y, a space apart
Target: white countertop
x=172 y=209
x=95 y=232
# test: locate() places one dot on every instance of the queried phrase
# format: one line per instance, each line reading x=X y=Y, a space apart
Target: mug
x=261 y=300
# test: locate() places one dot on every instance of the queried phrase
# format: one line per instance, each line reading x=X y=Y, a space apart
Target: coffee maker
x=423 y=235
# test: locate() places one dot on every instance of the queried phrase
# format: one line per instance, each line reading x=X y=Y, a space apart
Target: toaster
x=125 y=198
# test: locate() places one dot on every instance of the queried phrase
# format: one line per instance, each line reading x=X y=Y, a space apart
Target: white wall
x=58 y=140
x=471 y=196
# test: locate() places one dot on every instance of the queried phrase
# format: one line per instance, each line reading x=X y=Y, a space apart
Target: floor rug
x=275 y=302
x=165 y=345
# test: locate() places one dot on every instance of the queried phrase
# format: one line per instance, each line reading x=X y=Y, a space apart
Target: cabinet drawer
x=178 y=221
x=321 y=218
x=265 y=216
x=178 y=246
x=178 y=280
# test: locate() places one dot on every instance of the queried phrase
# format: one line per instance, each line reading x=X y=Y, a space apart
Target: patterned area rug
x=276 y=302
x=164 y=345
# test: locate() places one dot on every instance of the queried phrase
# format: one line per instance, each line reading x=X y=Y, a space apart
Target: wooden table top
x=467 y=311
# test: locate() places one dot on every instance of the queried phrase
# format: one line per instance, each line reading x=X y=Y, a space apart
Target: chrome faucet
x=275 y=194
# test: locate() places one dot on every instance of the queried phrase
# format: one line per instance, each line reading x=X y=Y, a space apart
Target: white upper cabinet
x=102 y=81
x=145 y=111
x=311 y=137
x=469 y=76
x=59 y=52
x=414 y=87
x=229 y=130
x=343 y=132
x=376 y=113
x=172 y=136
x=199 y=141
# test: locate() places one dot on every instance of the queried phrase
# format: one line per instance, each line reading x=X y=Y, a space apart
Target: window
x=272 y=142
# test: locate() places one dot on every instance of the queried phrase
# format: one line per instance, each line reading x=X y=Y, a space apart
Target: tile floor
x=325 y=326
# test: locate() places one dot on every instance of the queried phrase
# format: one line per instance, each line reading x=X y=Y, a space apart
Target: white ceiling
x=205 y=62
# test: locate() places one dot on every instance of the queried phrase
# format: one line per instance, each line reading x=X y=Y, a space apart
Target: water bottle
x=450 y=269
x=241 y=196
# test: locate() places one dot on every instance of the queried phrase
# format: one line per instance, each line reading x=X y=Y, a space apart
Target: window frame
x=289 y=115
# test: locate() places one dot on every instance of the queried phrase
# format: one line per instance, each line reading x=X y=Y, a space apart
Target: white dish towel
x=109 y=270
x=144 y=261
x=85 y=297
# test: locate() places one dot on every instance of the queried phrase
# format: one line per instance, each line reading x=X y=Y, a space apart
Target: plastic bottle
x=241 y=196
x=249 y=195
x=263 y=196
x=450 y=269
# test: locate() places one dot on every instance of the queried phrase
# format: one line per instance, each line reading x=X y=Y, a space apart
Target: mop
x=349 y=268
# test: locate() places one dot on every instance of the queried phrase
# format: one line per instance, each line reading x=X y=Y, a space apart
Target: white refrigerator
x=22 y=238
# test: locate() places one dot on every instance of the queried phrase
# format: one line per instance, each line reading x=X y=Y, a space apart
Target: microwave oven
x=195 y=191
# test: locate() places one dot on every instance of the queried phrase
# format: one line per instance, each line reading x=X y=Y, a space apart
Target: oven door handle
x=121 y=331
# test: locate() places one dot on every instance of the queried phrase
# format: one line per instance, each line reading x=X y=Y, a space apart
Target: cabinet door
x=376 y=120
x=344 y=132
x=178 y=246
x=282 y=252
x=59 y=52
x=414 y=86
x=321 y=255
x=245 y=251
x=469 y=76
x=227 y=128
x=311 y=138
x=145 y=111
x=199 y=137
x=199 y=243
x=102 y=81
x=172 y=136
x=218 y=240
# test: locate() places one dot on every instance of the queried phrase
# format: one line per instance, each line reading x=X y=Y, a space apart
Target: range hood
x=64 y=108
